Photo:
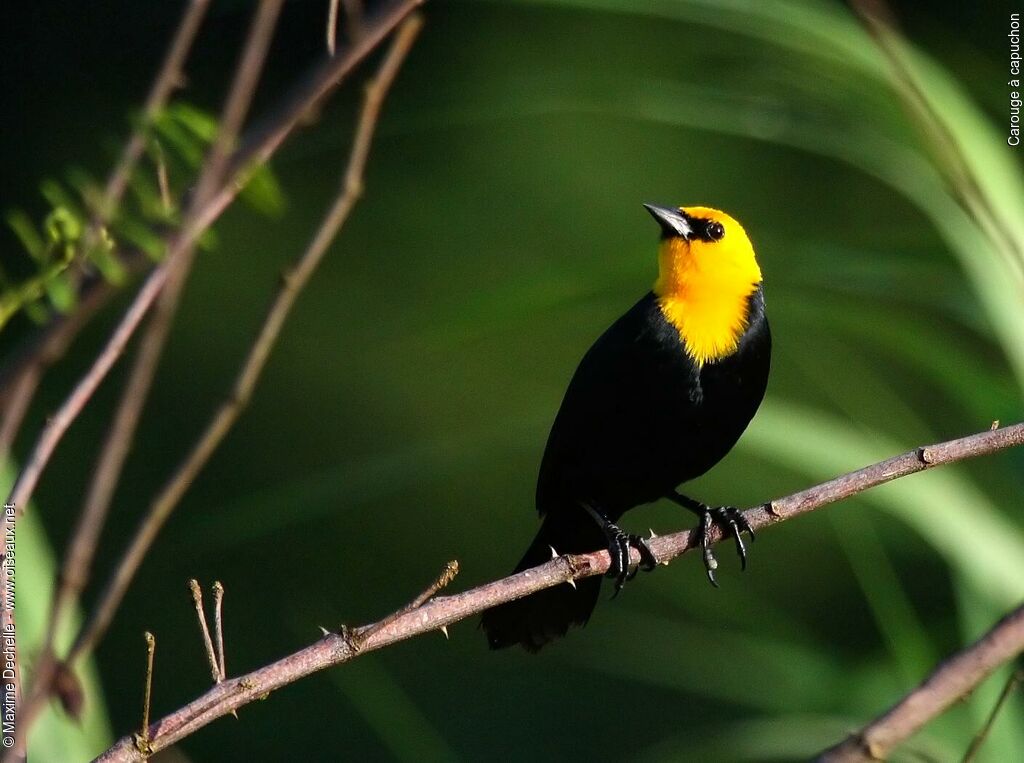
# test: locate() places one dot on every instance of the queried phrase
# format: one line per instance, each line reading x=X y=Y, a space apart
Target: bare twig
x=951 y=680
x=448 y=574
x=257 y=148
x=1015 y=680
x=176 y=266
x=162 y=180
x=260 y=143
x=211 y=655
x=265 y=139
x=19 y=399
x=240 y=94
x=353 y=18
x=229 y=411
x=332 y=26
x=61 y=420
x=142 y=741
x=439 y=612
x=140 y=379
x=218 y=627
x=25 y=377
x=169 y=77
x=236 y=106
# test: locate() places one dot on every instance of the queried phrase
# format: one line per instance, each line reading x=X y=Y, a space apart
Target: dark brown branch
x=334 y=649
x=260 y=143
x=119 y=438
x=169 y=77
x=951 y=681
x=332 y=26
x=229 y=411
x=25 y=379
x=257 y=148
x=264 y=141
x=19 y=384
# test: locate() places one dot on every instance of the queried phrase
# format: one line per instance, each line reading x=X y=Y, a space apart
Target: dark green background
x=401 y=419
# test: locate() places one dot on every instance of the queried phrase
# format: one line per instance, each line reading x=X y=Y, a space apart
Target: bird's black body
x=639 y=418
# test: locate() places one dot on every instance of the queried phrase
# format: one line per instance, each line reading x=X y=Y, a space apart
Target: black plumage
x=639 y=418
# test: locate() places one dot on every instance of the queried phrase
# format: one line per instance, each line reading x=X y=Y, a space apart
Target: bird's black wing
x=631 y=385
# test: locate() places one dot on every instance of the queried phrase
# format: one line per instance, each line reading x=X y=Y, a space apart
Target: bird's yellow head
x=706 y=274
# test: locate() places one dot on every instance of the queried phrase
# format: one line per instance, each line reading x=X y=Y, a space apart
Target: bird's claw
x=732 y=522
x=619 y=543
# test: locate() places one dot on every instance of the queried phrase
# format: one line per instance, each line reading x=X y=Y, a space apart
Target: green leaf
x=67 y=220
x=141 y=235
x=200 y=123
x=62 y=293
x=27 y=234
x=262 y=192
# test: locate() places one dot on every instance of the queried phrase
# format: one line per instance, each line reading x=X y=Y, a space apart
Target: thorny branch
x=436 y=614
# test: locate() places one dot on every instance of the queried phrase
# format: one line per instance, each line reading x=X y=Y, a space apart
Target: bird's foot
x=732 y=522
x=619 y=543
x=729 y=518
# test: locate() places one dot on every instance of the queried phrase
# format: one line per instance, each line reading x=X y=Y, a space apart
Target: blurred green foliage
x=402 y=418
x=143 y=220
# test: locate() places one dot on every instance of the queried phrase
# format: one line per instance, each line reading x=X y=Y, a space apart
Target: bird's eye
x=715 y=231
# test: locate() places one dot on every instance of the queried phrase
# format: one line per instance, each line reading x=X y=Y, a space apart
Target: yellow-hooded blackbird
x=658 y=400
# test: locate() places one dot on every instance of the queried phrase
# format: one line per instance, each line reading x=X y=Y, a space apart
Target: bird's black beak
x=672 y=221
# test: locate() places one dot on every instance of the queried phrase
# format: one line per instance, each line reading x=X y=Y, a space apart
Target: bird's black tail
x=546 y=615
